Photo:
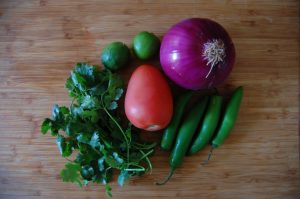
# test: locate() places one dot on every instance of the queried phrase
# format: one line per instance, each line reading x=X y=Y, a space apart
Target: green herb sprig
x=93 y=129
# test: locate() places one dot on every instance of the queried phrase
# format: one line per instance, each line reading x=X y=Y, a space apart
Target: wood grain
x=41 y=40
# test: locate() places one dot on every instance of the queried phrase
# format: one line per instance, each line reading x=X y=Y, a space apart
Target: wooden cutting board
x=41 y=40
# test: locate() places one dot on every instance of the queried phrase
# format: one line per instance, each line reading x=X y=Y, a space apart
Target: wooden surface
x=41 y=40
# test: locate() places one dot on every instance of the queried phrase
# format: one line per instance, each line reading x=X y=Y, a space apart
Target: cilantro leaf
x=83 y=148
x=86 y=157
x=94 y=142
x=63 y=110
x=123 y=176
x=59 y=116
x=76 y=110
x=89 y=102
x=70 y=84
x=73 y=128
x=108 y=190
x=54 y=131
x=117 y=158
x=118 y=93
x=98 y=90
x=71 y=174
x=86 y=70
x=64 y=147
x=112 y=162
x=83 y=138
x=79 y=81
x=114 y=82
x=55 y=112
x=114 y=91
x=61 y=142
x=113 y=105
x=85 y=182
x=46 y=125
x=92 y=115
x=101 y=162
x=87 y=172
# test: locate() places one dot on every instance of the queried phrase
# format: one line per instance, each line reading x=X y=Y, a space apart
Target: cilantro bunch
x=92 y=129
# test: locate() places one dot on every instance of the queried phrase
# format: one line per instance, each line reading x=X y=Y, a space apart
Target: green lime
x=145 y=45
x=115 y=56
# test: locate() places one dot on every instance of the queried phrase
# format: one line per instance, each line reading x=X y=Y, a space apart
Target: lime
x=145 y=45
x=115 y=56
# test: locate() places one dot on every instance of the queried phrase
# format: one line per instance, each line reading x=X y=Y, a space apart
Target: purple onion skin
x=181 y=54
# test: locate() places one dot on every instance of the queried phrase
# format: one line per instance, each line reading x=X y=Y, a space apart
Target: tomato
x=148 y=100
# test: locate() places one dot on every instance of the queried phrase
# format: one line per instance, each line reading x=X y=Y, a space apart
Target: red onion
x=197 y=54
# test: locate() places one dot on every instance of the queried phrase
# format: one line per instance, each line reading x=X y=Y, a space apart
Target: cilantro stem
x=96 y=151
x=144 y=146
x=145 y=155
x=107 y=169
x=72 y=103
x=138 y=167
x=141 y=169
x=122 y=131
x=69 y=160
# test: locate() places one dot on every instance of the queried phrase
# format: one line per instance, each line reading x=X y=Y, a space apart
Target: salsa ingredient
x=197 y=53
x=115 y=55
x=209 y=124
x=228 y=120
x=145 y=45
x=92 y=127
x=184 y=137
x=148 y=100
x=170 y=132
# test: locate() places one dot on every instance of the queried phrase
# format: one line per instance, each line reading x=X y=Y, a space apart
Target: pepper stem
x=209 y=155
x=167 y=178
x=216 y=91
x=213 y=53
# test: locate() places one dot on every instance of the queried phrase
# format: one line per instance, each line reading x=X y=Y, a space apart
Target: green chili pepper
x=229 y=119
x=208 y=125
x=170 y=132
x=185 y=136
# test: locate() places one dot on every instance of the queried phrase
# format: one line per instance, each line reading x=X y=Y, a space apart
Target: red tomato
x=148 y=100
